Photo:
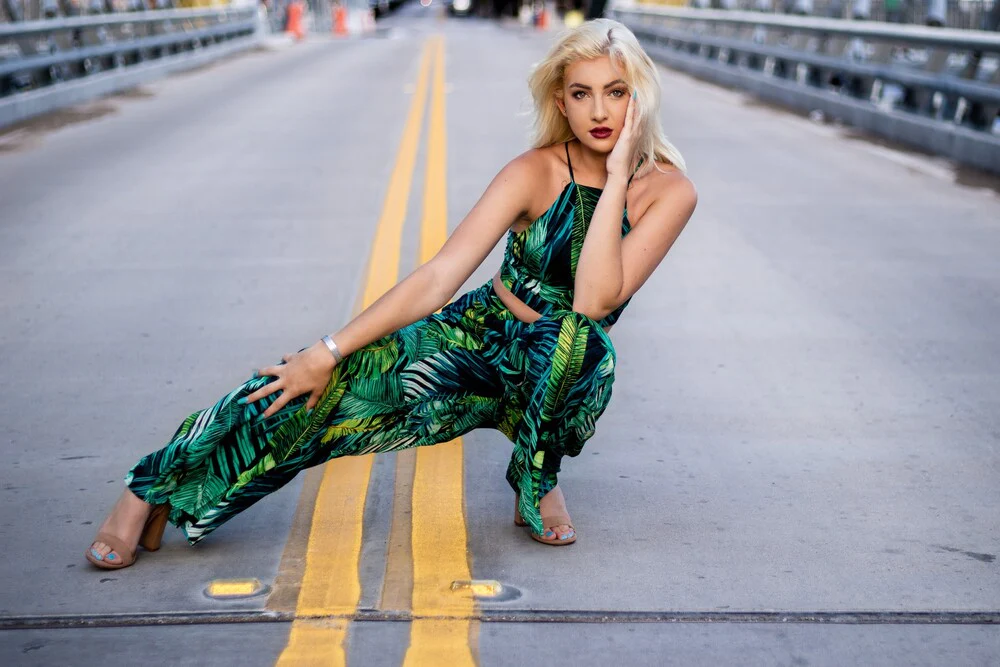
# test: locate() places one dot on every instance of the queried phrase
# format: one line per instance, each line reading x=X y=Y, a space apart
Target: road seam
x=220 y=617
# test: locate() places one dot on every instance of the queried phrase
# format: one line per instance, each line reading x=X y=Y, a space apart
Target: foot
x=551 y=503
x=126 y=521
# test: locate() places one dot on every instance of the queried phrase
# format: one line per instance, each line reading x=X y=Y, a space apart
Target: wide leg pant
x=472 y=365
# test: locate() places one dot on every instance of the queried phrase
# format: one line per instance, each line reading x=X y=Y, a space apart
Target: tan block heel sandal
x=152 y=535
x=550 y=520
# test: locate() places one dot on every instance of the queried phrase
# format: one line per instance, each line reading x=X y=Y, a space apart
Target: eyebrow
x=606 y=86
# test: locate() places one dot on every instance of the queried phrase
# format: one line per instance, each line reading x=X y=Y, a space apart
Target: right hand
x=619 y=161
x=305 y=372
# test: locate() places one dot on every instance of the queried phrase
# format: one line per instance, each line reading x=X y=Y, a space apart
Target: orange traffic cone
x=543 y=18
x=340 y=20
x=294 y=26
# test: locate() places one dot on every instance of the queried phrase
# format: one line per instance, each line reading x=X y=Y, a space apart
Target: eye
x=576 y=95
x=618 y=92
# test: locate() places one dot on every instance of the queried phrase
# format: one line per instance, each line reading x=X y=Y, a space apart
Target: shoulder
x=529 y=179
x=512 y=193
x=667 y=181
x=666 y=186
x=531 y=165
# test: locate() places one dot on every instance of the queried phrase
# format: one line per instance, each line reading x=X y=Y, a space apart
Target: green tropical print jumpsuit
x=472 y=365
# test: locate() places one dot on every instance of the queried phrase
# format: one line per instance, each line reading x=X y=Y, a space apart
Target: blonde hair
x=589 y=40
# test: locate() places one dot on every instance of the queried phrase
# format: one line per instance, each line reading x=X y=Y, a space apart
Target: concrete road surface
x=800 y=465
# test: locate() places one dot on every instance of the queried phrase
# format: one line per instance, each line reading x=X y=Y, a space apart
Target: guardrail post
x=987 y=112
x=861 y=10
x=894 y=10
x=802 y=7
x=14 y=10
x=937 y=13
x=835 y=9
x=991 y=21
x=69 y=8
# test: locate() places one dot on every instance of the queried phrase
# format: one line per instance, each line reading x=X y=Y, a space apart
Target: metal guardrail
x=965 y=14
x=933 y=88
x=46 y=53
x=46 y=26
x=902 y=34
x=30 y=10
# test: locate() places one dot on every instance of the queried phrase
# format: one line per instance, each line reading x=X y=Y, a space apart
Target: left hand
x=620 y=158
x=305 y=372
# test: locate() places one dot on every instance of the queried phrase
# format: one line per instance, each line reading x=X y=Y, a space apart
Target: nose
x=598 y=111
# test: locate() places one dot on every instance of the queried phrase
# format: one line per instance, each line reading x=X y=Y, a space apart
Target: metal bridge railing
x=965 y=14
x=36 y=54
x=31 y=10
x=918 y=84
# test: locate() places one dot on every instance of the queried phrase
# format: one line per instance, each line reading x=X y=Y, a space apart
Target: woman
x=590 y=212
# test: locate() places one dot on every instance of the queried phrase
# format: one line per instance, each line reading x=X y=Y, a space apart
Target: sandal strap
x=119 y=547
x=553 y=541
x=556 y=520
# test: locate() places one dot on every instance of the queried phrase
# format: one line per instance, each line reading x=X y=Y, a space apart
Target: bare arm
x=421 y=293
x=433 y=284
x=611 y=269
x=599 y=276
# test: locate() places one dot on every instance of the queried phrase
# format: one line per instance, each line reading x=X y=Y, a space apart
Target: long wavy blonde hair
x=589 y=40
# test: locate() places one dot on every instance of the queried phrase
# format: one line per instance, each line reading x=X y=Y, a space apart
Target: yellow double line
x=420 y=570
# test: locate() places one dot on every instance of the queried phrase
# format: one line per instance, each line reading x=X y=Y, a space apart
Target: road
x=800 y=464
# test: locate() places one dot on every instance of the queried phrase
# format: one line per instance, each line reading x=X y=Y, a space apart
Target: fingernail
x=242 y=401
x=634 y=94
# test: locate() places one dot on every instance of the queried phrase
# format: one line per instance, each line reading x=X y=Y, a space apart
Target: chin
x=597 y=145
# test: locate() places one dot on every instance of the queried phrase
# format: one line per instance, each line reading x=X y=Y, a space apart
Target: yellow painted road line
x=315 y=643
x=397 y=588
x=383 y=270
x=285 y=595
x=438 y=532
x=434 y=227
x=330 y=584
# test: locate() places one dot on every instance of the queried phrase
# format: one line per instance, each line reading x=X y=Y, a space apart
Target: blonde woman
x=589 y=212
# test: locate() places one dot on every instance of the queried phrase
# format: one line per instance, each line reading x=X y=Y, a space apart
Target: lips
x=601 y=132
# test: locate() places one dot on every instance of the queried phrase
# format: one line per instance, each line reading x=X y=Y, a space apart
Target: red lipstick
x=601 y=132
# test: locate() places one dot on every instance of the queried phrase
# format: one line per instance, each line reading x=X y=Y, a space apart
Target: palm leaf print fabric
x=473 y=365
x=539 y=266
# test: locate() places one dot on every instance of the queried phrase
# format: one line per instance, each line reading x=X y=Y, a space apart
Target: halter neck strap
x=569 y=163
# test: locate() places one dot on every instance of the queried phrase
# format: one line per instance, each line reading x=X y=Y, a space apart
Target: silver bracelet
x=333 y=349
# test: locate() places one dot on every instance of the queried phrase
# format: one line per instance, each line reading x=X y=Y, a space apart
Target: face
x=594 y=95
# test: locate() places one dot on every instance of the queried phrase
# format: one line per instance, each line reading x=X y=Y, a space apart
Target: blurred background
x=970 y=14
